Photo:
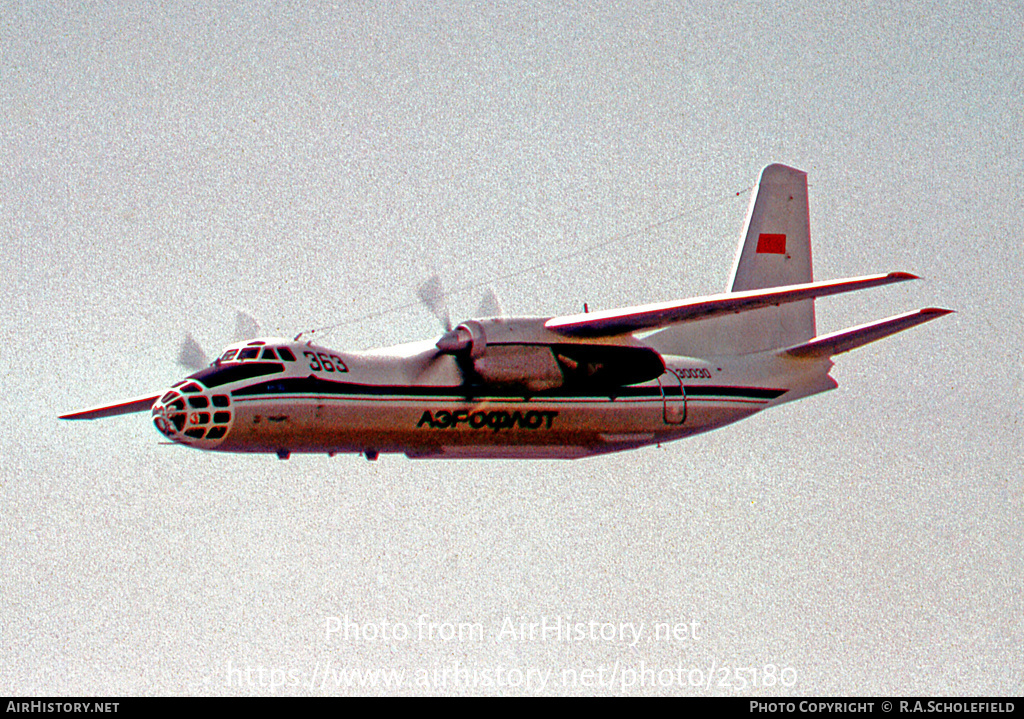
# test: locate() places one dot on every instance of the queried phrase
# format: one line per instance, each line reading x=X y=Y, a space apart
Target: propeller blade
x=490 y=306
x=246 y=327
x=191 y=355
x=428 y=362
x=431 y=294
x=432 y=362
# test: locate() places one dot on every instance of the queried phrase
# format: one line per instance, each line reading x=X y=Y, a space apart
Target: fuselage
x=542 y=387
x=277 y=396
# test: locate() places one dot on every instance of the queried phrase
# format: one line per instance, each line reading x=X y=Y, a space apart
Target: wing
x=647 y=317
x=846 y=340
x=136 y=404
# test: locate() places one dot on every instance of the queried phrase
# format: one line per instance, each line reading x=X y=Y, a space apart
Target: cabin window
x=268 y=354
x=249 y=353
x=286 y=354
x=230 y=354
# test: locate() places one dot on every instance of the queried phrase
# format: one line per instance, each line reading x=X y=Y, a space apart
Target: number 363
x=323 y=362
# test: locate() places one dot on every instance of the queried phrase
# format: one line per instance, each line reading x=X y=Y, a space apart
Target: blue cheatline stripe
x=318 y=386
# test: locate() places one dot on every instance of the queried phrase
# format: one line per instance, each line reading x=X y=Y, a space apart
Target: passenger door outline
x=673 y=398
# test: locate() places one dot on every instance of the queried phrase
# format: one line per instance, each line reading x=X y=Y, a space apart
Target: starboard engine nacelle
x=532 y=367
x=539 y=366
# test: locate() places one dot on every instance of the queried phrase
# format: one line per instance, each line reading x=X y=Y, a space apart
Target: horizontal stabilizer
x=646 y=317
x=136 y=404
x=846 y=340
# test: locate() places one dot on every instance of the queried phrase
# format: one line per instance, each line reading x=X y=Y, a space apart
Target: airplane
x=561 y=387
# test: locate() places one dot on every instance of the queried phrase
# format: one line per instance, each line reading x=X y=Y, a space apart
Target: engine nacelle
x=538 y=366
x=532 y=367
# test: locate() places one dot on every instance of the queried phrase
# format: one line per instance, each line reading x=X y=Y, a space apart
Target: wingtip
x=937 y=311
x=900 y=276
x=128 y=406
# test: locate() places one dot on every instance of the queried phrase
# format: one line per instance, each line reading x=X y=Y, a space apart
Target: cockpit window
x=286 y=354
x=268 y=354
x=249 y=353
x=228 y=355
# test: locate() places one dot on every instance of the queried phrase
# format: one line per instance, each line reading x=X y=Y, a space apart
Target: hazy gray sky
x=312 y=163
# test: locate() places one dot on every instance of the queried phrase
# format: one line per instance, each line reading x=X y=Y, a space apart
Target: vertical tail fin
x=774 y=250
